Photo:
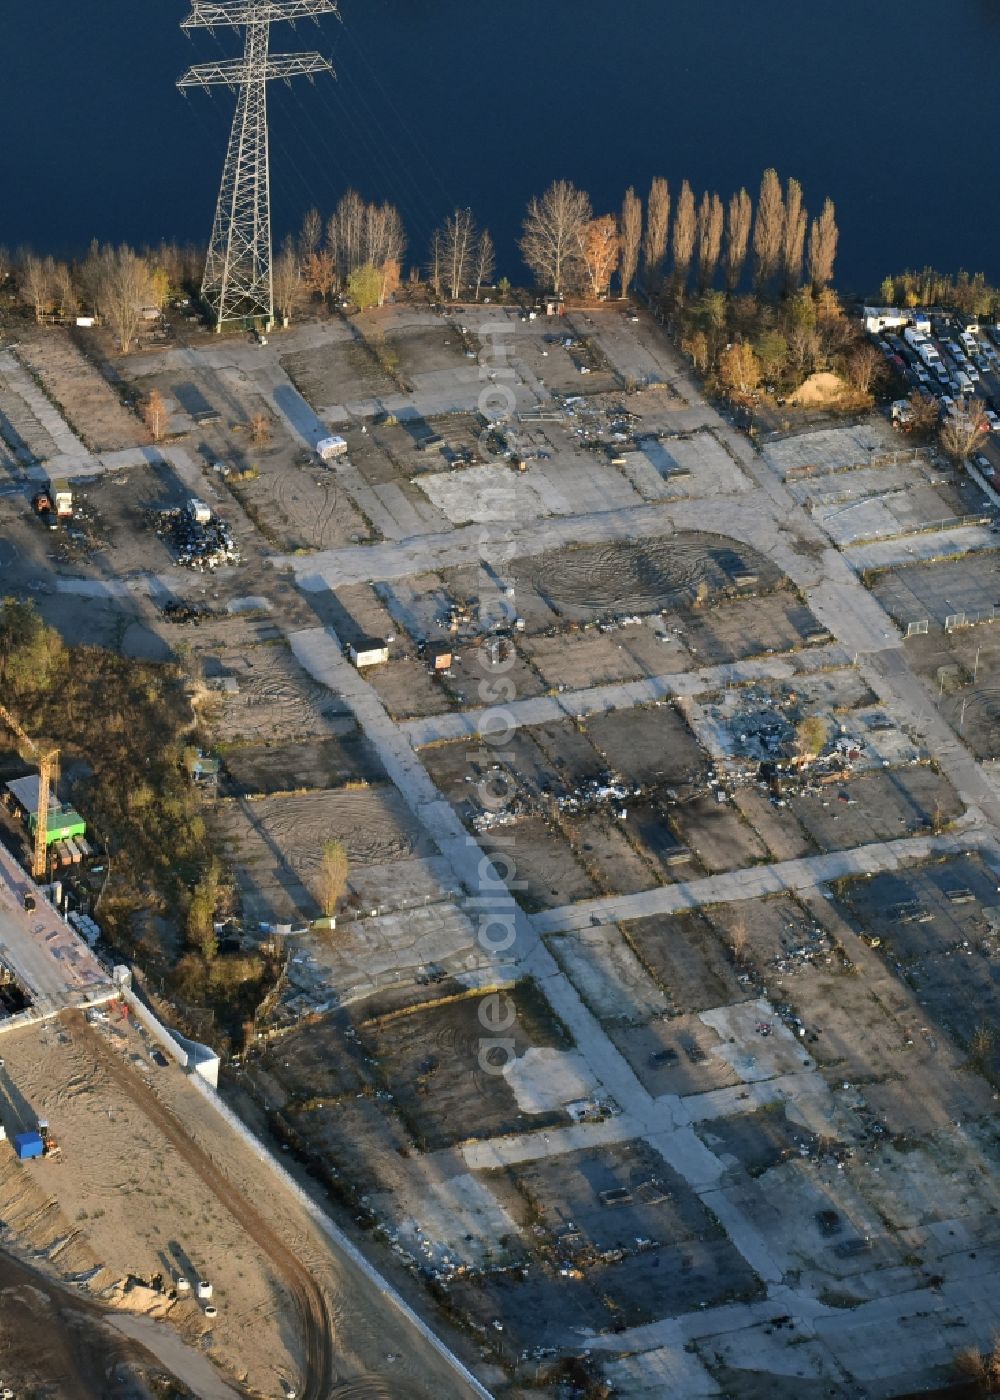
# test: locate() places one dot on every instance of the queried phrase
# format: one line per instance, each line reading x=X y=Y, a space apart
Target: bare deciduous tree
x=63 y=289
x=345 y=234
x=553 y=224
x=654 y=247
x=631 y=238
x=385 y=237
x=739 y=218
x=696 y=345
x=123 y=292
x=286 y=280
x=458 y=238
x=739 y=939
x=684 y=232
x=768 y=229
x=864 y=367
x=711 y=220
x=964 y=430
x=925 y=412
x=35 y=282
x=311 y=234
x=793 y=250
x=823 y=237
x=485 y=262
x=331 y=878
x=436 y=262
x=981 y=1368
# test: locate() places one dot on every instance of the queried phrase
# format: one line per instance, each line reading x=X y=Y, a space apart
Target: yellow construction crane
x=46 y=767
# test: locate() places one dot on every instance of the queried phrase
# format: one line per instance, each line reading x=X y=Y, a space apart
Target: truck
x=913 y=337
x=62 y=498
x=928 y=354
x=43 y=506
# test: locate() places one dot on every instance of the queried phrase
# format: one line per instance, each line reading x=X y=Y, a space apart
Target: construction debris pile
x=200 y=539
x=176 y=611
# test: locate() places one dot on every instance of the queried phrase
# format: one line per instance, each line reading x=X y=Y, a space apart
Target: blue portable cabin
x=28 y=1145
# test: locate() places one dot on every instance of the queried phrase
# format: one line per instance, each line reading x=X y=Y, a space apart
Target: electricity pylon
x=237 y=282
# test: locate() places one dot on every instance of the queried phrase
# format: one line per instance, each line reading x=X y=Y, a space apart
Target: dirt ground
x=961 y=669
x=939 y=924
x=264 y=695
x=54 y=1343
x=274 y=845
x=336 y=374
x=91 y=406
x=270 y=769
x=878 y=806
x=593 y=580
x=296 y=501
x=686 y=957
x=634 y=1240
x=428 y=1059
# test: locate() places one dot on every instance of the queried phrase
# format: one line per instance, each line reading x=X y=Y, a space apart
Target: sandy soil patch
x=138 y=1207
x=820 y=390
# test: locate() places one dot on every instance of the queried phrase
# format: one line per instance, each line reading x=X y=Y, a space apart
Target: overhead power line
x=237 y=285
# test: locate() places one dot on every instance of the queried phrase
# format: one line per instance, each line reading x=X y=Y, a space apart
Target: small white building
x=368 y=651
x=885 y=318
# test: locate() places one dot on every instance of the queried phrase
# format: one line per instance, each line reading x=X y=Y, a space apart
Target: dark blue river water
x=892 y=108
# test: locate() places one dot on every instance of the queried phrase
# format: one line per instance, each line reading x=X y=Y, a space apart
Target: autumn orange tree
x=154 y=414
x=739 y=370
x=320 y=273
x=599 y=246
x=390 y=273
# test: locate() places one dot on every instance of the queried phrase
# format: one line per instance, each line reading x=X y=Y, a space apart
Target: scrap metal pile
x=200 y=540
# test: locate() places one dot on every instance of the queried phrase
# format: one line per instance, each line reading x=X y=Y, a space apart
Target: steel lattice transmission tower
x=237 y=282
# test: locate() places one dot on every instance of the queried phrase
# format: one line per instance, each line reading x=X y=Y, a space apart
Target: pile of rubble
x=176 y=611
x=200 y=539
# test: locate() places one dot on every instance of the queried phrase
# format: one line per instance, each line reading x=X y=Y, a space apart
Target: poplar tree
x=793 y=250
x=631 y=238
x=710 y=226
x=768 y=229
x=683 y=240
x=823 y=236
x=739 y=218
x=654 y=247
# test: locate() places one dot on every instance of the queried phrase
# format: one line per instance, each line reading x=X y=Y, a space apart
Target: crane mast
x=46 y=759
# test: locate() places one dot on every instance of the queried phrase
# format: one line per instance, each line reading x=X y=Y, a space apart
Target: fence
x=954 y=622
x=925 y=527
x=340 y=1240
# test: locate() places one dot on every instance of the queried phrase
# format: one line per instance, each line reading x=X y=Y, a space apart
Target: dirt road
x=307 y=1296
